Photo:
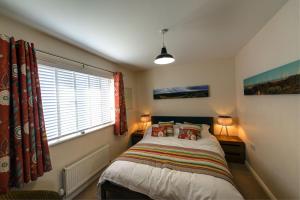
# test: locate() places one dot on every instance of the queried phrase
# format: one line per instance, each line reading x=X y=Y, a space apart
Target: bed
x=129 y=180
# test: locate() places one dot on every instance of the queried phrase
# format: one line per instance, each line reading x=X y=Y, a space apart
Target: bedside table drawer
x=233 y=148
x=235 y=158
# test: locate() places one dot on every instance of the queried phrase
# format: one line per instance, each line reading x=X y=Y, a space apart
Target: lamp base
x=222 y=130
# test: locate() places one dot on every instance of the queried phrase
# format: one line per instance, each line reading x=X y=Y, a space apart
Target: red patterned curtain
x=120 y=127
x=24 y=152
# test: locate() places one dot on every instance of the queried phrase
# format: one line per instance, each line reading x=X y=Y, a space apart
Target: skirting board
x=261 y=182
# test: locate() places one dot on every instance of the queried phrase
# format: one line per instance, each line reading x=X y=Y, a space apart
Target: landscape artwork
x=281 y=80
x=181 y=92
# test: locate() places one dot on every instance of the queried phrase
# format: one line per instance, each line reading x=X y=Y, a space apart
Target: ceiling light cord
x=163 y=31
x=163 y=38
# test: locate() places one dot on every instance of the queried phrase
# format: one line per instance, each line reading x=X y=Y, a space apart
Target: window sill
x=77 y=135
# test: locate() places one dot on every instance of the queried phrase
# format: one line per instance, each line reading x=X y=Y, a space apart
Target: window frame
x=75 y=135
x=79 y=69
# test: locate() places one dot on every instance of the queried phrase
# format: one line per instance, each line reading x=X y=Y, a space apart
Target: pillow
x=176 y=128
x=158 y=132
x=196 y=126
x=193 y=124
x=204 y=128
x=168 y=126
x=169 y=122
x=189 y=132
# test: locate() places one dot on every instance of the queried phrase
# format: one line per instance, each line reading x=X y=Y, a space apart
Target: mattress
x=164 y=183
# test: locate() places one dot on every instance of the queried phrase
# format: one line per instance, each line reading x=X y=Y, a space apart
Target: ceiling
x=127 y=31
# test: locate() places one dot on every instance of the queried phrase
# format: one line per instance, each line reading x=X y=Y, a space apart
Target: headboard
x=179 y=119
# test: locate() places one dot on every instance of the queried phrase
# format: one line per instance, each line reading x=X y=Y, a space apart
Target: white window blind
x=74 y=102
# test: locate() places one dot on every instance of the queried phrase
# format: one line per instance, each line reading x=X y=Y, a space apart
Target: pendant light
x=164 y=58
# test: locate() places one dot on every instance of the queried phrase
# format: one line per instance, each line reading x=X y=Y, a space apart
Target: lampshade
x=224 y=120
x=164 y=58
x=145 y=118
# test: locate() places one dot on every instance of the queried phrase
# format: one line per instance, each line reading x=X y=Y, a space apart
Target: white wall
x=72 y=150
x=218 y=74
x=272 y=123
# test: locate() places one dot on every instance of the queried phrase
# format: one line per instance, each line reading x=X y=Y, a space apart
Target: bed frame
x=110 y=190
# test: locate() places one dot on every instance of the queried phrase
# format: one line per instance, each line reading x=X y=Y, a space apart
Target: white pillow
x=148 y=131
x=191 y=125
x=176 y=129
x=205 y=130
x=205 y=127
x=171 y=122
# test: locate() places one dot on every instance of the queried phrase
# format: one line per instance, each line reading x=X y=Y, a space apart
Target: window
x=74 y=102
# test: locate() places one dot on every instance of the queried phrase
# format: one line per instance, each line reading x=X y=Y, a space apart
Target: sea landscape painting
x=281 y=80
x=181 y=92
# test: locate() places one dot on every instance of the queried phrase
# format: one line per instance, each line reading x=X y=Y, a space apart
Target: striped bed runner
x=180 y=159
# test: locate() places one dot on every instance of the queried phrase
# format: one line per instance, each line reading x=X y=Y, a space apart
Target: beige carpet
x=246 y=183
x=244 y=180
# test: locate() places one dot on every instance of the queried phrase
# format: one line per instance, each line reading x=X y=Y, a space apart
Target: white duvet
x=159 y=183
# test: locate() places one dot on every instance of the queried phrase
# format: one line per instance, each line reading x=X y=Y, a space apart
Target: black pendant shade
x=164 y=58
x=164 y=54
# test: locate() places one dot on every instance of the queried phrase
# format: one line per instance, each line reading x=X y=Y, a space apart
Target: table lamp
x=145 y=118
x=224 y=121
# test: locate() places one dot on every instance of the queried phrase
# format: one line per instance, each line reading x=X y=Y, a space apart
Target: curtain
x=24 y=152
x=120 y=127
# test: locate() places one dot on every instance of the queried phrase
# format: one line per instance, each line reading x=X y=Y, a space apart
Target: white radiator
x=78 y=173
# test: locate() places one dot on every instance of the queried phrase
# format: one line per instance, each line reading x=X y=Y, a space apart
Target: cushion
x=204 y=129
x=189 y=132
x=168 y=127
x=158 y=132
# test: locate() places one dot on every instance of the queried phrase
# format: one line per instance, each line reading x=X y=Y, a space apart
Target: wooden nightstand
x=233 y=147
x=136 y=137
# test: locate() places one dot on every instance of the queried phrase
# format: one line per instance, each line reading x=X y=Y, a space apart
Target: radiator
x=78 y=173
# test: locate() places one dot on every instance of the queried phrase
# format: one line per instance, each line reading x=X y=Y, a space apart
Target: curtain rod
x=83 y=64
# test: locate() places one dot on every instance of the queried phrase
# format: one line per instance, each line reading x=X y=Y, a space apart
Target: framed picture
x=181 y=92
x=281 y=80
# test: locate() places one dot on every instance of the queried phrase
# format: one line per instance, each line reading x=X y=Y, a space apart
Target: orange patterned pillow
x=168 y=128
x=159 y=132
x=189 y=132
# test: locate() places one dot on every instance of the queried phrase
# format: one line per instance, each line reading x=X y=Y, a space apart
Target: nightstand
x=136 y=137
x=233 y=147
